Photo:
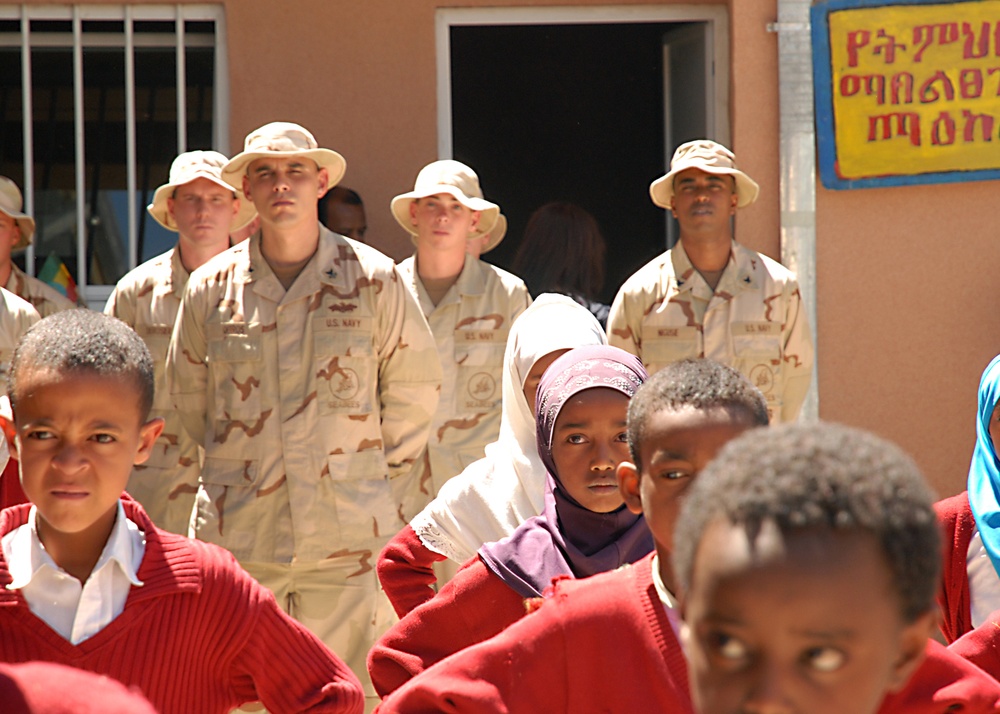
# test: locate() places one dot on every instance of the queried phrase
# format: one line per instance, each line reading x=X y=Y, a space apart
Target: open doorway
x=573 y=105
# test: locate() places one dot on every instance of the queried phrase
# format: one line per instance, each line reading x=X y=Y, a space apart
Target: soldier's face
x=285 y=189
x=442 y=222
x=10 y=234
x=203 y=211
x=703 y=201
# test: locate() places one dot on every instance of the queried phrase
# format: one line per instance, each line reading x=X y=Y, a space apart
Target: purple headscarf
x=568 y=539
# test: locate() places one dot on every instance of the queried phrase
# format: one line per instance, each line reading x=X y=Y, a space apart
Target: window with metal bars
x=95 y=103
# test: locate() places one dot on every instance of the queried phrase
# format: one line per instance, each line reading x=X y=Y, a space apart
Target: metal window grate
x=104 y=98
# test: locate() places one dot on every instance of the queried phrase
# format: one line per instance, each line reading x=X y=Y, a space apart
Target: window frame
x=128 y=40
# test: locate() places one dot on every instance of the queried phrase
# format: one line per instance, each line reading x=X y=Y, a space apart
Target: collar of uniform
x=746 y=276
x=684 y=272
x=178 y=273
x=740 y=273
x=471 y=280
x=332 y=255
x=15 y=281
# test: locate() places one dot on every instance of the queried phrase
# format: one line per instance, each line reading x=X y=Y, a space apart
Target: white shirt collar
x=25 y=554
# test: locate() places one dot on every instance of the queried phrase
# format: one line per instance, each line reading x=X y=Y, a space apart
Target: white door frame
x=716 y=16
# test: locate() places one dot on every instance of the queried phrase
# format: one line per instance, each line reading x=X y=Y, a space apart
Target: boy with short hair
x=89 y=581
x=551 y=660
x=809 y=559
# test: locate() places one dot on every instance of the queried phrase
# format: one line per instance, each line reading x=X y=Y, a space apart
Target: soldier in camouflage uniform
x=203 y=209
x=306 y=370
x=16 y=231
x=468 y=304
x=711 y=297
x=16 y=316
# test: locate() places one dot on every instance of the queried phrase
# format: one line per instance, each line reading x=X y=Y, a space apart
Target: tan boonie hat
x=458 y=180
x=186 y=168
x=496 y=235
x=11 y=203
x=710 y=157
x=283 y=139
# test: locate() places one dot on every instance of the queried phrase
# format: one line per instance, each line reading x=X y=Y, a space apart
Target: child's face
x=676 y=446
x=588 y=442
x=77 y=437
x=808 y=623
x=534 y=376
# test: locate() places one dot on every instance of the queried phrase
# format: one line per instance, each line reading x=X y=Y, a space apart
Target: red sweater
x=957 y=527
x=406 y=571
x=200 y=635
x=11 y=493
x=474 y=606
x=945 y=682
x=557 y=659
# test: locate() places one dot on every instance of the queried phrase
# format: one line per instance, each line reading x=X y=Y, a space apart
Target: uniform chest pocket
x=757 y=351
x=663 y=345
x=235 y=360
x=344 y=369
x=479 y=358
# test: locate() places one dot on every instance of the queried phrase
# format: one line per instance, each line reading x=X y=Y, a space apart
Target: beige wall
x=905 y=275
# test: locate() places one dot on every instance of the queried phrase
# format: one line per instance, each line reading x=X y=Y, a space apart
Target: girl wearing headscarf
x=970 y=587
x=494 y=495
x=584 y=528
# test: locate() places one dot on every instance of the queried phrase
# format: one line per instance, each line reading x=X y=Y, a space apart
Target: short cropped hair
x=820 y=477
x=335 y=194
x=82 y=340
x=696 y=383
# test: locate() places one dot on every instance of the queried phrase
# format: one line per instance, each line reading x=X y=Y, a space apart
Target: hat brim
x=496 y=235
x=160 y=213
x=489 y=213
x=662 y=189
x=334 y=163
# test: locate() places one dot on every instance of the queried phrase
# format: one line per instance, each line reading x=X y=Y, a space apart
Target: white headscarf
x=493 y=496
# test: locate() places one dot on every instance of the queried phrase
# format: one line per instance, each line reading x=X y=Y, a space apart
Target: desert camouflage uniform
x=148 y=299
x=16 y=316
x=754 y=321
x=43 y=297
x=313 y=406
x=470 y=326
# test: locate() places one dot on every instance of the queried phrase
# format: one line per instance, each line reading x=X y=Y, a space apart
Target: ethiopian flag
x=55 y=273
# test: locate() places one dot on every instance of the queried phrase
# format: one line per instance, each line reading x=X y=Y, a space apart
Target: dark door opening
x=587 y=113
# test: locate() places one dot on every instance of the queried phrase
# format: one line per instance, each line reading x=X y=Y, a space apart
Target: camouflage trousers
x=345 y=608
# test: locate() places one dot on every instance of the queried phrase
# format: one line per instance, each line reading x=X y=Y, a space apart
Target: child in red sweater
x=489 y=593
x=809 y=558
x=87 y=580
x=558 y=658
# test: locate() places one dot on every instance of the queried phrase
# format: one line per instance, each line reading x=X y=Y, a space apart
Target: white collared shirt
x=668 y=600
x=76 y=611
x=984 y=586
